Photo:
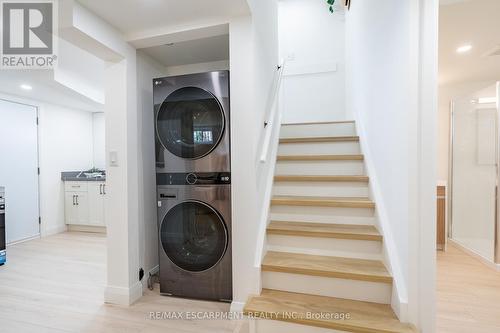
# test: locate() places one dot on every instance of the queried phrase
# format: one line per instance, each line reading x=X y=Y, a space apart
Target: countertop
x=71 y=176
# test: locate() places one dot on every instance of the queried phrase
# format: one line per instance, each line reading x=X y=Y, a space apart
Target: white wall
x=197 y=68
x=147 y=70
x=391 y=92
x=253 y=61
x=65 y=144
x=99 y=142
x=312 y=40
x=81 y=71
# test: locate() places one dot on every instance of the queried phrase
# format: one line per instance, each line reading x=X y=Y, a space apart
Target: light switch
x=113 y=158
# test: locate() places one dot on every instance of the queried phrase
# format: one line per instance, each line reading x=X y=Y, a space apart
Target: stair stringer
x=391 y=258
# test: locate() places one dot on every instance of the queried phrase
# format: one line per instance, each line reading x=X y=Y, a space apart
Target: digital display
x=203 y=137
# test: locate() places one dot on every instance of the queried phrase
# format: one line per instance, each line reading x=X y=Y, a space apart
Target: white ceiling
x=45 y=89
x=190 y=52
x=134 y=17
x=474 y=22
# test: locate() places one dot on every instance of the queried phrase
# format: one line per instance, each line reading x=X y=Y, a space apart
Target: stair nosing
x=320 y=139
x=387 y=279
x=342 y=325
x=322 y=178
x=337 y=157
x=322 y=202
x=320 y=123
x=316 y=234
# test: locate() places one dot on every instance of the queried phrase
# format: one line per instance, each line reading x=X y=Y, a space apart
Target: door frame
x=37 y=112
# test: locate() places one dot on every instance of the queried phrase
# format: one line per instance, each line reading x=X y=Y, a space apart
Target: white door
x=19 y=169
x=474 y=175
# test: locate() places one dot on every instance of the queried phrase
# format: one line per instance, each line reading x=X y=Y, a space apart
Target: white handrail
x=273 y=114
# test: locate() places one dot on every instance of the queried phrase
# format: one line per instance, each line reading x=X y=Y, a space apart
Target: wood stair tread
x=350 y=202
x=320 y=123
x=320 y=178
x=364 y=317
x=325 y=266
x=320 y=157
x=320 y=139
x=324 y=230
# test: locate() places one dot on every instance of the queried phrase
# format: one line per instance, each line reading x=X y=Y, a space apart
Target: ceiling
x=45 y=89
x=190 y=52
x=133 y=17
x=474 y=22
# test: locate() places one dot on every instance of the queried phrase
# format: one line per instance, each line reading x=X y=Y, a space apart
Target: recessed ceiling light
x=464 y=48
x=26 y=87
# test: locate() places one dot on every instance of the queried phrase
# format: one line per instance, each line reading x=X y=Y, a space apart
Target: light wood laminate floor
x=468 y=294
x=56 y=284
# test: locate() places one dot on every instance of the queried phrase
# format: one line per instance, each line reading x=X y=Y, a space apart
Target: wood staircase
x=323 y=270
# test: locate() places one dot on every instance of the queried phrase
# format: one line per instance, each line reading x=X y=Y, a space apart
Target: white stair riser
x=340 y=168
x=318 y=130
x=321 y=189
x=334 y=247
x=324 y=286
x=324 y=214
x=274 y=326
x=320 y=148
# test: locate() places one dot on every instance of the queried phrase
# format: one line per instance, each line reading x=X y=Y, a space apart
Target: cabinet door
x=82 y=207
x=96 y=204
x=70 y=208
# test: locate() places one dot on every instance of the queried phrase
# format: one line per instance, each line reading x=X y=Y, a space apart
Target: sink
x=91 y=175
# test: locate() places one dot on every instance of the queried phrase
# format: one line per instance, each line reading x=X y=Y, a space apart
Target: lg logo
x=27 y=28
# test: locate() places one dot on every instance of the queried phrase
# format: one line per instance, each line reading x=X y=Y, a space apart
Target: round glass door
x=190 y=122
x=194 y=236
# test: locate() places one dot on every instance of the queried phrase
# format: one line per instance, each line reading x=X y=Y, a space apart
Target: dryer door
x=194 y=236
x=190 y=122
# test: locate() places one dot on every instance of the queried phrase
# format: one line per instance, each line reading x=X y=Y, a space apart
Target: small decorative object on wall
x=332 y=2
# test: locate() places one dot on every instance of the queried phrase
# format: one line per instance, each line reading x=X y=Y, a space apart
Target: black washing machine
x=194 y=222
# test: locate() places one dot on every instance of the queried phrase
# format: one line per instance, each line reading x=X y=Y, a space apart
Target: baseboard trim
x=237 y=307
x=474 y=254
x=123 y=295
x=53 y=231
x=87 y=228
x=23 y=240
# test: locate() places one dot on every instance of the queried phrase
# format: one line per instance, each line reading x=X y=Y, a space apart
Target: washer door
x=194 y=236
x=190 y=122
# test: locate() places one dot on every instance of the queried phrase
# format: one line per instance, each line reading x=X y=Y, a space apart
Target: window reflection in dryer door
x=190 y=122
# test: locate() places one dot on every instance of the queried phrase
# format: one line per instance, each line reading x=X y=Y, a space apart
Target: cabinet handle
x=74 y=200
x=104 y=189
x=100 y=189
x=77 y=201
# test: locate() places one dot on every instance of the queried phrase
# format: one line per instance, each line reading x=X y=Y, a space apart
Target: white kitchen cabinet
x=84 y=203
x=77 y=208
x=96 y=203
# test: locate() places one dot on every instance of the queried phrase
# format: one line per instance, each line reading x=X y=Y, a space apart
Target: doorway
x=19 y=170
x=474 y=174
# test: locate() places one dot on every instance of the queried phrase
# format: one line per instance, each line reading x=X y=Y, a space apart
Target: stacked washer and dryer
x=193 y=178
